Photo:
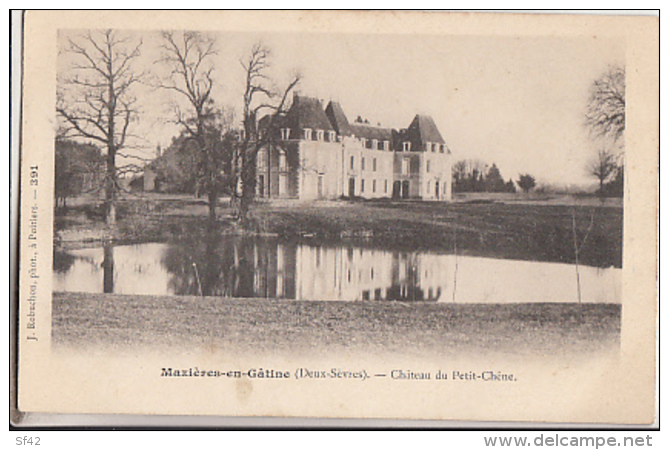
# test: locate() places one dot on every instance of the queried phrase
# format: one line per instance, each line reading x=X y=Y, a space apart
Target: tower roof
x=307 y=112
x=338 y=119
x=424 y=129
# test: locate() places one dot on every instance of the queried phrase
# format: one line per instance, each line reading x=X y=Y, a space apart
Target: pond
x=253 y=267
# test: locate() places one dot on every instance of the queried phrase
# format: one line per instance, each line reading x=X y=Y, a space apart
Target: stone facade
x=318 y=154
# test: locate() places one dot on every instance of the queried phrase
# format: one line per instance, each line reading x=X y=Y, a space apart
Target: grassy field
x=266 y=326
x=526 y=228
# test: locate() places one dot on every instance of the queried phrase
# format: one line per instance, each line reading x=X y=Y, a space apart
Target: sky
x=516 y=102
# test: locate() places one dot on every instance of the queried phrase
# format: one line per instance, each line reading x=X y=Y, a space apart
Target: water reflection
x=231 y=267
x=108 y=269
x=243 y=266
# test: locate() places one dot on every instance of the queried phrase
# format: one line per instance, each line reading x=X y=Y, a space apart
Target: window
x=385 y=186
x=386 y=145
x=362 y=186
x=374 y=165
x=375 y=144
x=405 y=166
x=332 y=137
x=320 y=135
x=352 y=163
x=428 y=166
x=362 y=164
x=262 y=158
x=428 y=146
x=285 y=134
x=428 y=188
x=362 y=142
x=406 y=146
x=282 y=161
x=307 y=134
x=373 y=185
x=441 y=148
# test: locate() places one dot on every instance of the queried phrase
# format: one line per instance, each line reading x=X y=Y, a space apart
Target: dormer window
x=441 y=148
x=320 y=135
x=285 y=134
x=406 y=146
x=375 y=144
x=332 y=137
x=307 y=134
x=363 y=142
x=386 y=145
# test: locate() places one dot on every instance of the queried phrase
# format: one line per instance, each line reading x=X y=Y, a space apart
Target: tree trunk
x=245 y=201
x=110 y=190
x=213 y=198
x=248 y=183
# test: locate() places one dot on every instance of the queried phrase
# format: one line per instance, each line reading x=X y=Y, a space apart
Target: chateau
x=319 y=154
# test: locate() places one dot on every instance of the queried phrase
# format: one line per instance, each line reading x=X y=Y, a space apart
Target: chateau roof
x=307 y=112
x=338 y=119
x=425 y=130
x=371 y=132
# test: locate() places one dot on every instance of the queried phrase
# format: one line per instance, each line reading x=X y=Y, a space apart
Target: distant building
x=319 y=154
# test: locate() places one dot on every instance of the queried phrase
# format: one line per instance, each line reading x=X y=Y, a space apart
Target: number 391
x=33 y=176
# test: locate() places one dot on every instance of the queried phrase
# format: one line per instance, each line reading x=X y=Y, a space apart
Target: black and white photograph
x=346 y=221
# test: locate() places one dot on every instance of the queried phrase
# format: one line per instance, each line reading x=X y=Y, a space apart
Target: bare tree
x=468 y=175
x=96 y=103
x=606 y=118
x=258 y=97
x=603 y=167
x=606 y=106
x=189 y=57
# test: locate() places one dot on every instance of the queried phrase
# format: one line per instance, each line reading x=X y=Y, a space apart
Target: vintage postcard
x=361 y=215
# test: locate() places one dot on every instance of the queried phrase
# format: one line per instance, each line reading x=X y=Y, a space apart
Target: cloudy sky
x=517 y=102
